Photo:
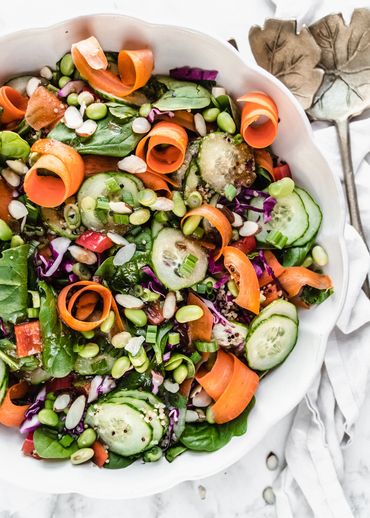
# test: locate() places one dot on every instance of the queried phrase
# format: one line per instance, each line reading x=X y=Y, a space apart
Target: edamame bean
x=96 y=111
x=72 y=99
x=139 y=217
x=147 y=197
x=145 y=109
x=143 y=368
x=108 y=323
x=139 y=359
x=5 y=231
x=120 y=340
x=307 y=262
x=136 y=316
x=319 y=255
x=87 y=438
x=16 y=241
x=180 y=373
x=82 y=455
x=281 y=188
x=120 y=366
x=90 y=350
x=153 y=455
x=63 y=81
x=189 y=313
x=179 y=208
x=66 y=65
x=49 y=405
x=190 y=225
x=210 y=114
x=88 y=334
x=225 y=122
x=209 y=415
x=161 y=216
x=233 y=289
x=48 y=417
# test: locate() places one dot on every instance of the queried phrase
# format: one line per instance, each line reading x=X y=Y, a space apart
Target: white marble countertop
x=238 y=490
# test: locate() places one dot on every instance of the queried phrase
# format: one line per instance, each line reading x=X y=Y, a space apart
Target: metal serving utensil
x=327 y=68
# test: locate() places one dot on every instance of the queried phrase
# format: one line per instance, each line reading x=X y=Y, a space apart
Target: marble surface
x=236 y=492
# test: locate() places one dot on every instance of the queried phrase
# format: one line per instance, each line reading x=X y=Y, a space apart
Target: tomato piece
x=100 y=454
x=281 y=171
x=154 y=313
x=60 y=383
x=246 y=244
x=94 y=241
x=28 y=338
x=28 y=447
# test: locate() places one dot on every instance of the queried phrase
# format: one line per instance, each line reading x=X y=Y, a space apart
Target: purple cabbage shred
x=155 y=113
x=193 y=74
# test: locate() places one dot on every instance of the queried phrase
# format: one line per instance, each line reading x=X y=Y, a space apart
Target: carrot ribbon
x=68 y=171
x=83 y=302
x=200 y=329
x=294 y=278
x=245 y=277
x=134 y=67
x=231 y=384
x=12 y=415
x=44 y=109
x=264 y=160
x=218 y=219
x=6 y=196
x=14 y=105
x=257 y=105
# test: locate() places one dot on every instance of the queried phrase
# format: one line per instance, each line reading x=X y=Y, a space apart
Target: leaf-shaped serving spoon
x=327 y=67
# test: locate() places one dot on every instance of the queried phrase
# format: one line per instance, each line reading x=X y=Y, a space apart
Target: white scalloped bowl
x=281 y=390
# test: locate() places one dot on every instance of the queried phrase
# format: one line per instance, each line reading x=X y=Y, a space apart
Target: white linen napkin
x=310 y=484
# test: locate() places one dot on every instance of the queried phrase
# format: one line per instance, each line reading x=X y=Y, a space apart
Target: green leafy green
x=101 y=364
x=128 y=274
x=48 y=446
x=57 y=353
x=227 y=103
x=8 y=353
x=135 y=380
x=315 y=296
x=297 y=254
x=13 y=284
x=123 y=112
x=116 y=461
x=3 y=380
x=182 y=95
x=212 y=437
x=174 y=452
x=161 y=341
x=13 y=146
x=111 y=138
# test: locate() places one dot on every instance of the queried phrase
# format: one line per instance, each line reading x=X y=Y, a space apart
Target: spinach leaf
x=161 y=341
x=297 y=254
x=116 y=461
x=121 y=277
x=212 y=437
x=227 y=103
x=182 y=95
x=315 y=296
x=111 y=138
x=8 y=353
x=57 y=354
x=123 y=112
x=173 y=452
x=135 y=380
x=101 y=365
x=13 y=146
x=13 y=284
x=48 y=446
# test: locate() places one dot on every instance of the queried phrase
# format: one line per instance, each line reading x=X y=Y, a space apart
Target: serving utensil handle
x=350 y=185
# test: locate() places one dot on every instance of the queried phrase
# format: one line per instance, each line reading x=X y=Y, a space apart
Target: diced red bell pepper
x=100 y=454
x=28 y=447
x=246 y=244
x=281 y=171
x=94 y=241
x=28 y=338
x=60 y=384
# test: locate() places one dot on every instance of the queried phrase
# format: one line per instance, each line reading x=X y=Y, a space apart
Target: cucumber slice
x=192 y=179
x=54 y=220
x=271 y=342
x=95 y=187
x=314 y=217
x=140 y=394
x=221 y=162
x=277 y=307
x=121 y=427
x=3 y=380
x=170 y=248
x=288 y=217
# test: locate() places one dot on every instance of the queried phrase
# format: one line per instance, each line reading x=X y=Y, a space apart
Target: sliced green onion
x=173 y=338
x=281 y=188
x=194 y=200
x=33 y=212
x=277 y=239
x=196 y=357
x=121 y=219
x=112 y=185
x=72 y=216
x=161 y=216
x=230 y=192
x=206 y=347
x=198 y=233
x=128 y=198
x=151 y=334
x=33 y=312
x=201 y=288
x=36 y=301
x=147 y=197
x=188 y=265
x=102 y=203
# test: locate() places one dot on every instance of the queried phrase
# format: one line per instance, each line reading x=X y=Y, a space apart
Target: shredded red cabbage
x=268 y=206
x=155 y=113
x=3 y=330
x=37 y=405
x=58 y=248
x=213 y=266
x=173 y=416
x=193 y=74
x=30 y=424
x=157 y=380
x=154 y=284
x=221 y=281
x=100 y=385
x=71 y=87
x=218 y=318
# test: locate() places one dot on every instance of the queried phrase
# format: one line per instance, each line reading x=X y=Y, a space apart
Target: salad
x=154 y=252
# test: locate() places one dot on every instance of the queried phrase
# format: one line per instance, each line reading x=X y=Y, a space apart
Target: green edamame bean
x=5 y=231
x=72 y=99
x=307 y=262
x=120 y=366
x=89 y=351
x=161 y=216
x=88 y=334
x=139 y=358
x=210 y=114
x=225 y=122
x=16 y=241
x=139 y=217
x=66 y=65
x=143 y=368
x=145 y=109
x=190 y=225
x=108 y=323
x=48 y=417
x=120 y=340
x=82 y=455
x=63 y=81
x=189 y=313
x=319 y=256
x=209 y=415
x=233 y=289
x=96 y=111
x=87 y=438
x=49 y=405
x=180 y=373
x=50 y=396
x=281 y=188
x=153 y=455
x=179 y=208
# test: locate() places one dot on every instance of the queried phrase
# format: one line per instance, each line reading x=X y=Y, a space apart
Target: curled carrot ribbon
x=82 y=304
x=134 y=67
x=257 y=105
x=12 y=415
x=66 y=166
x=14 y=105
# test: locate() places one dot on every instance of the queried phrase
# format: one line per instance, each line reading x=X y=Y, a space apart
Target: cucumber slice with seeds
x=314 y=217
x=270 y=342
x=277 y=307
